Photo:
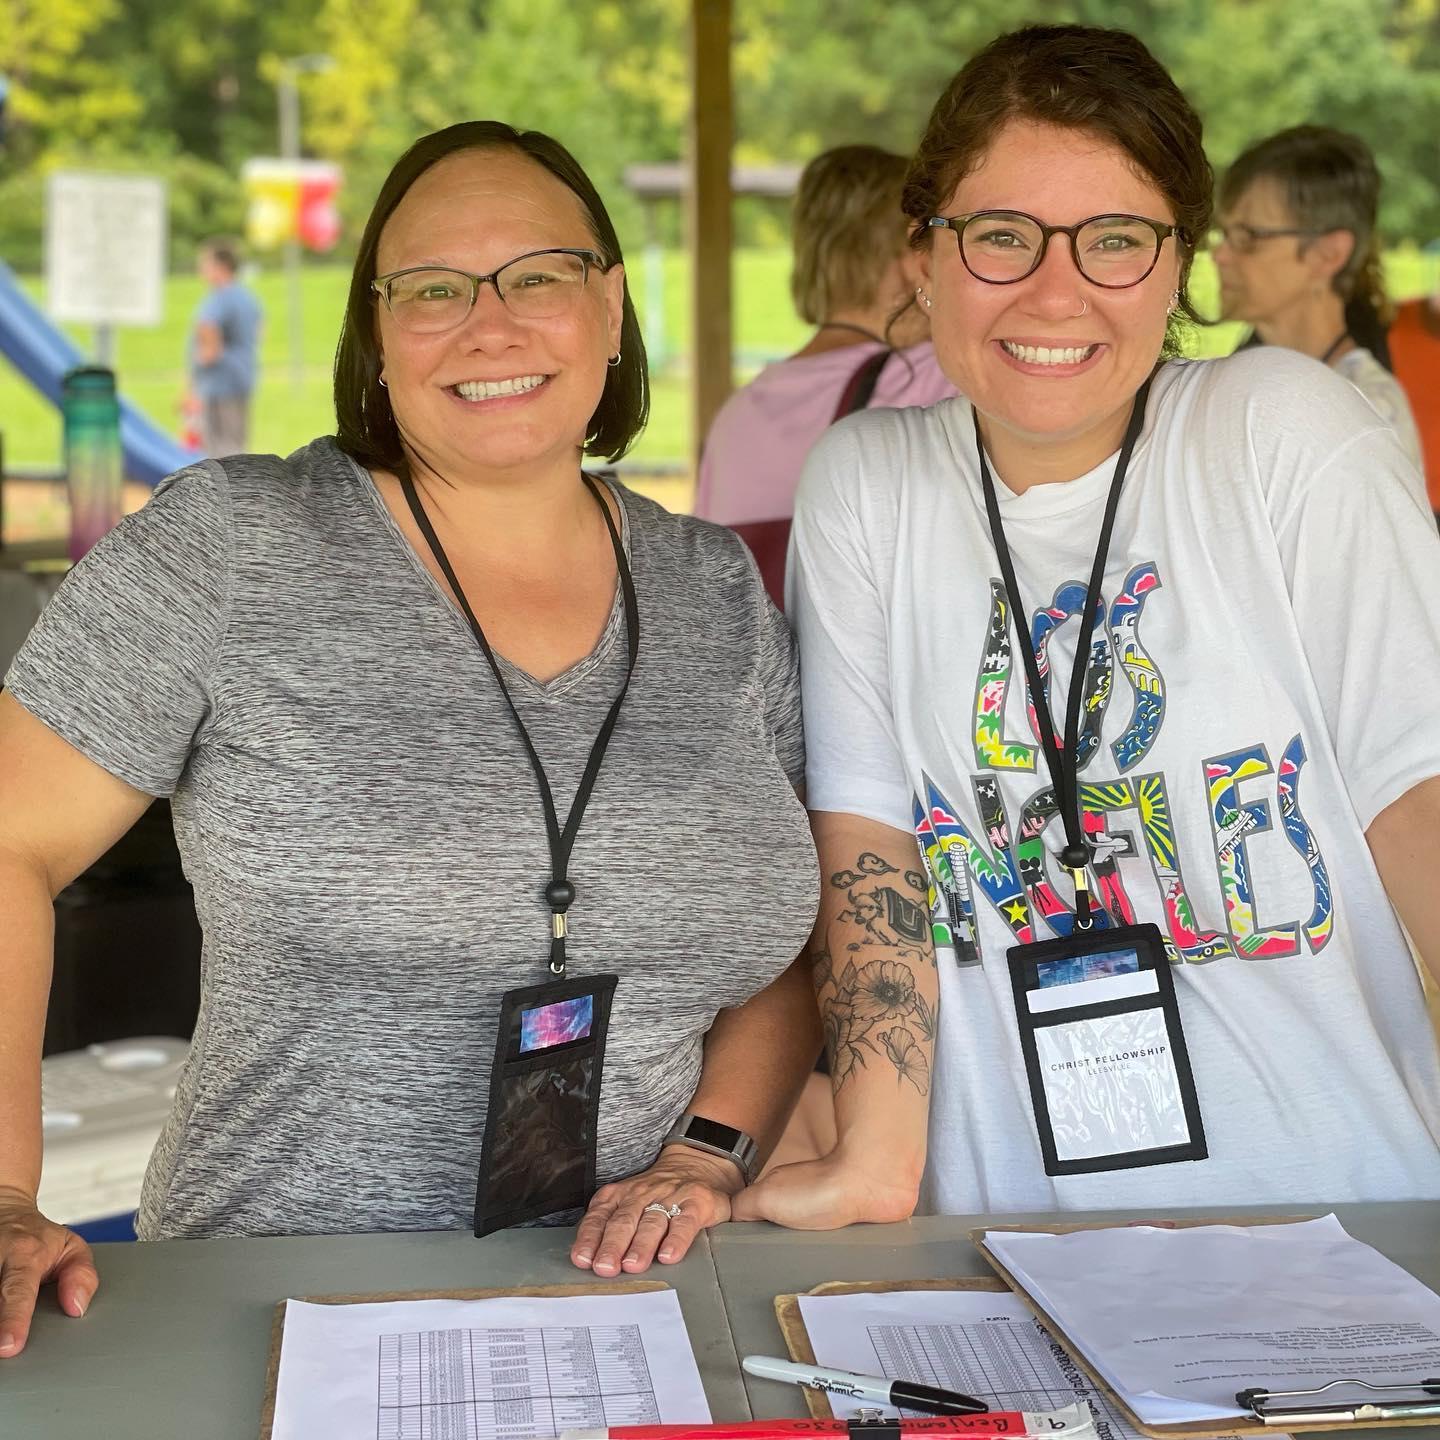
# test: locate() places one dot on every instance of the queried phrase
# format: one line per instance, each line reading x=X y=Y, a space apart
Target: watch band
x=716 y=1139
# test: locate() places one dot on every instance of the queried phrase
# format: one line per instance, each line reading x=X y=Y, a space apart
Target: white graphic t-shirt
x=1264 y=680
x=1388 y=401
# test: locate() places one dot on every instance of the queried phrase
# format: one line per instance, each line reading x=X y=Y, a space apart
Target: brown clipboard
x=1191 y=1429
x=277 y=1328
x=797 y=1338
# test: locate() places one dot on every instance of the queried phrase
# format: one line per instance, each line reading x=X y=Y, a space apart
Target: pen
x=903 y=1394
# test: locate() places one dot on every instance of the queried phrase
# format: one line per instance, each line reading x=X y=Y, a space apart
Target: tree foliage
x=187 y=87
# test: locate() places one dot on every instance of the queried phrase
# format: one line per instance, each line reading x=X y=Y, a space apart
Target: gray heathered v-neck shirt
x=366 y=843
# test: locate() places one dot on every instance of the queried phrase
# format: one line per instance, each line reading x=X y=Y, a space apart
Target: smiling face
x=496 y=393
x=1037 y=369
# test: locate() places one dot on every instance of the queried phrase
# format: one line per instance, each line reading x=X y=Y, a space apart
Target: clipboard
x=797 y=1338
x=1243 y=1425
x=277 y=1328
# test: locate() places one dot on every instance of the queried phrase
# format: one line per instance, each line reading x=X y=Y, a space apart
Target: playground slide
x=42 y=353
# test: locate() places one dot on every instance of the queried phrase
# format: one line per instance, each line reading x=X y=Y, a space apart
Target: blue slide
x=42 y=354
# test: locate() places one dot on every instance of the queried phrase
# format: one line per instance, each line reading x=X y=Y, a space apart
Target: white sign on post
x=105 y=244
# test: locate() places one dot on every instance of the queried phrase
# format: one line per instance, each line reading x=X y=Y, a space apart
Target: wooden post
x=707 y=210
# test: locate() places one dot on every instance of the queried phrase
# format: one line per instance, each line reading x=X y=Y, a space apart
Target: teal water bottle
x=93 y=461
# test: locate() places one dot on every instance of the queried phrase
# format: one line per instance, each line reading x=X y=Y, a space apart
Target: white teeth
x=1043 y=355
x=489 y=389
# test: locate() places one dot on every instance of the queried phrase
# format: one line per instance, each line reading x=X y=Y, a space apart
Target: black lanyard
x=1335 y=344
x=560 y=892
x=1063 y=764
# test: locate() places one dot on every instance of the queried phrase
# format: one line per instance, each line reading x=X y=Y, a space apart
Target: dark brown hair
x=365 y=423
x=1079 y=77
x=1329 y=181
x=223 y=251
x=847 y=227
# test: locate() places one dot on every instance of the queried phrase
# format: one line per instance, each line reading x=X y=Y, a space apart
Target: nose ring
x=1084 y=307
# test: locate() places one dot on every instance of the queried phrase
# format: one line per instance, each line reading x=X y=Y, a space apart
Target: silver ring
x=670 y=1212
x=1084 y=307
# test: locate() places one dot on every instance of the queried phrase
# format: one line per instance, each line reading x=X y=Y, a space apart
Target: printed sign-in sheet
x=510 y=1368
x=979 y=1342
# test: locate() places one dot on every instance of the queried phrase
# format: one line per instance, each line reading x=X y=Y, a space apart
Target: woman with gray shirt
x=288 y=648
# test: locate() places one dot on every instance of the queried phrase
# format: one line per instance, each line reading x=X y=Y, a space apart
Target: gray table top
x=176 y=1343
x=755 y=1263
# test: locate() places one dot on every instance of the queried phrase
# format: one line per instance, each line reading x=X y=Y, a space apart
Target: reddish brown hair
x=1079 y=77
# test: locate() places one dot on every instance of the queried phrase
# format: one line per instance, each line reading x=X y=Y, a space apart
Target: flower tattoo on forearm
x=870 y=1008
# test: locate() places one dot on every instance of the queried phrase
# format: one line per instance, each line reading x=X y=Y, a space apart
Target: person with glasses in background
x=1117 y=659
x=1299 y=260
x=371 y=676
x=853 y=280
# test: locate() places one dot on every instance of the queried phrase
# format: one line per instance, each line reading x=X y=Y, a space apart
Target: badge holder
x=1105 y=1054
x=538 y=1156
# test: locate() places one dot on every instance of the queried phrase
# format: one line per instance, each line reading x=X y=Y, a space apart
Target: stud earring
x=924 y=299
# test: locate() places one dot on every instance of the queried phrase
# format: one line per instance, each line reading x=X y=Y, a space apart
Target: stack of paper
x=510 y=1368
x=1177 y=1321
x=975 y=1341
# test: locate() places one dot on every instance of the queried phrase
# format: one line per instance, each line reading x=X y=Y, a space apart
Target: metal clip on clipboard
x=1262 y=1404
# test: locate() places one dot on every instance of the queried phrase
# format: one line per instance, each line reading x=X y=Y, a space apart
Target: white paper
x=512 y=1367
x=1092 y=992
x=1110 y=1084
x=1178 y=1320
x=981 y=1343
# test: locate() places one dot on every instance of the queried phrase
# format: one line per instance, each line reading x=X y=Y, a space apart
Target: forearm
x=757 y=1057
x=1404 y=840
x=26 y=959
x=873 y=967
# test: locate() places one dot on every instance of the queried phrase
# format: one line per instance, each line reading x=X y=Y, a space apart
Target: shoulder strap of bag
x=861 y=385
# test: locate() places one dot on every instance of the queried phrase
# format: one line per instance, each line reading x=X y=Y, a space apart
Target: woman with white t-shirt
x=1300 y=261
x=1247 y=781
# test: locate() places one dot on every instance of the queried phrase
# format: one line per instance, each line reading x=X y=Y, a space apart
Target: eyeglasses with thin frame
x=1245 y=239
x=539 y=285
x=1002 y=247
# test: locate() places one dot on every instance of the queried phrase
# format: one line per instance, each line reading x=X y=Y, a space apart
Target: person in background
x=853 y=272
x=1299 y=260
x=224 y=339
x=1415 y=348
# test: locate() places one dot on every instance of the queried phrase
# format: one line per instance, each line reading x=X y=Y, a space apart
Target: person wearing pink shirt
x=853 y=273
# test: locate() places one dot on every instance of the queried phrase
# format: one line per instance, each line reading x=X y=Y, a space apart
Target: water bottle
x=93 y=462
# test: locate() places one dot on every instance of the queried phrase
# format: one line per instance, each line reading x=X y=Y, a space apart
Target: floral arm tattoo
x=871 y=1010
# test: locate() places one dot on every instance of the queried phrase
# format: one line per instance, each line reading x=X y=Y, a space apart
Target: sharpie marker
x=902 y=1394
x=1074 y=1422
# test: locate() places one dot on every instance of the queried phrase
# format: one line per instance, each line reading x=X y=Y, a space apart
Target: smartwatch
x=717 y=1139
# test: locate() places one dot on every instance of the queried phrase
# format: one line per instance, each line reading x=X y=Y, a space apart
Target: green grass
x=288 y=413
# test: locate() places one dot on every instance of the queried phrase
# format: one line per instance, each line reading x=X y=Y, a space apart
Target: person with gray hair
x=1299 y=259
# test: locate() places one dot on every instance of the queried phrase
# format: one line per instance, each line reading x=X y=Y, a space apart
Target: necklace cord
x=1064 y=766
x=560 y=892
